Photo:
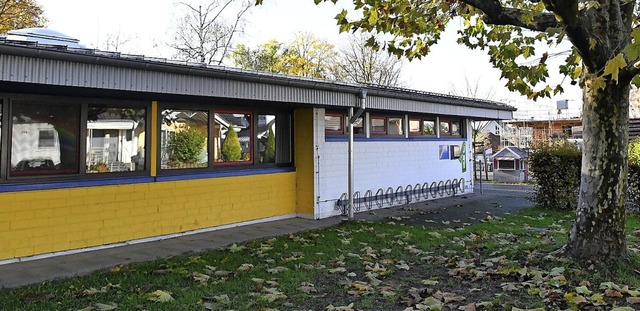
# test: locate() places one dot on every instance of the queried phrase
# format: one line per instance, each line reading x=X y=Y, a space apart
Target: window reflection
x=232 y=137
x=395 y=126
x=115 y=139
x=44 y=139
x=455 y=128
x=183 y=139
x=429 y=127
x=445 y=129
x=378 y=125
x=267 y=138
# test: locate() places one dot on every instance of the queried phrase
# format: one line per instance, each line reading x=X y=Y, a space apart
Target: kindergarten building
x=101 y=148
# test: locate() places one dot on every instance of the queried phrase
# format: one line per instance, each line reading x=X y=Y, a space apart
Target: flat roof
x=63 y=66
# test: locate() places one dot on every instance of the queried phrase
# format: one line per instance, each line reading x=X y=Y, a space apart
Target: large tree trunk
x=598 y=232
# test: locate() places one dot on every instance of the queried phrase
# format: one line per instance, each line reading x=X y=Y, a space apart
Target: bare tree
x=360 y=63
x=472 y=89
x=204 y=35
x=117 y=41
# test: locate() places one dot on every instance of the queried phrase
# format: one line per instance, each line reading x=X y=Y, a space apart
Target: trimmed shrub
x=186 y=144
x=270 y=152
x=557 y=171
x=231 y=149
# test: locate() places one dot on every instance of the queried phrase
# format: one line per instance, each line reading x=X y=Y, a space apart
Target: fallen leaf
x=341 y=308
x=609 y=285
x=633 y=300
x=308 y=288
x=509 y=287
x=469 y=307
x=278 y=269
x=362 y=286
x=403 y=266
x=613 y=293
x=245 y=267
x=556 y=271
x=160 y=296
x=583 y=290
x=222 y=273
x=199 y=277
x=432 y=304
x=105 y=306
x=338 y=270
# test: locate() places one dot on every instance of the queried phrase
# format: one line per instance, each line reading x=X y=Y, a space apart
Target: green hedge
x=557 y=172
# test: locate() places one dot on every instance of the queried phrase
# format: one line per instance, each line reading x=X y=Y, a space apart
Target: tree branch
x=496 y=14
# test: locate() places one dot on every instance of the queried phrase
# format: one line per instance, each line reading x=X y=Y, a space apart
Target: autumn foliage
x=18 y=14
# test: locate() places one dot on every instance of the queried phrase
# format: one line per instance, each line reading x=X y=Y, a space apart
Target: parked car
x=35 y=164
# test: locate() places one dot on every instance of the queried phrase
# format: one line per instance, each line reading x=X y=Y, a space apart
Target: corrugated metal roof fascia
x=169 y=67
x=397 y=93
x=394 y=104
x=114 y=72
x=65 y=73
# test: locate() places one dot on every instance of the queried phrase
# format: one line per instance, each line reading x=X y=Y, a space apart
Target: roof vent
x=43 y=36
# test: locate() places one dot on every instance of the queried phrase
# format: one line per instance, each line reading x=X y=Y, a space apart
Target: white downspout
x=352 y=119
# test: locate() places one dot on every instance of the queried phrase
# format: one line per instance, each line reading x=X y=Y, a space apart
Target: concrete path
x=495 y=199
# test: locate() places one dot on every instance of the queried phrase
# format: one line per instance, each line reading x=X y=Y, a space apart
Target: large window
x=507 y=164
x=396 y=127
x=450 y=127
x=183 y=141
x=233 y=138
x=115 y=139
x=422 y=126
x=334 y=124
x=44 y=138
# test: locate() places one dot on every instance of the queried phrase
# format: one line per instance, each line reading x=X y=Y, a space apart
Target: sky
x=148 y=26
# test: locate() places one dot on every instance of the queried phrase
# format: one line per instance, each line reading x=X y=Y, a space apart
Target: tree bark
x=598 y=232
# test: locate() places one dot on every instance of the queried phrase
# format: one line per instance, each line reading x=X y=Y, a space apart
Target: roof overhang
x=83 y=68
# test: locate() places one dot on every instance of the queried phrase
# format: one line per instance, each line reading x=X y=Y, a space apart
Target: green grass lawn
x=499 y=264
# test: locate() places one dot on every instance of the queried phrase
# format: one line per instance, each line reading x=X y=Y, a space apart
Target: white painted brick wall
x=379 y=164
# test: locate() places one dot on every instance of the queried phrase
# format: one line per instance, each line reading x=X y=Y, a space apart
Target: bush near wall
x=634 y=174
x=556 y=168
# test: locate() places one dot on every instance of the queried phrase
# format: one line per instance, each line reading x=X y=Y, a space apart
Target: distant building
x=510 y=165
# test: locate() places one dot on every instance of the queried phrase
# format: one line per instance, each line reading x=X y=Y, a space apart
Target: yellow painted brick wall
x=304 y=158
x=38 y=222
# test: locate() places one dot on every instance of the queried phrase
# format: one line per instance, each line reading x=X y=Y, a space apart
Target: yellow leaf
x=160 y=296
x=592 y=44
x=597 y=83
x=373 y=17
x=614 y=65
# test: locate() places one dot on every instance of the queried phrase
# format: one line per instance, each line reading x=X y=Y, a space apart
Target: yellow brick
x=23 y=251
x=5 y=227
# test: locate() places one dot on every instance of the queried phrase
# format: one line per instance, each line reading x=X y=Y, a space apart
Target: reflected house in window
x=115 y=140
x=34 y=141
x=178 y=120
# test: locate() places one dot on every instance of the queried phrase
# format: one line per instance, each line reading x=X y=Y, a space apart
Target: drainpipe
x=352 y=119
